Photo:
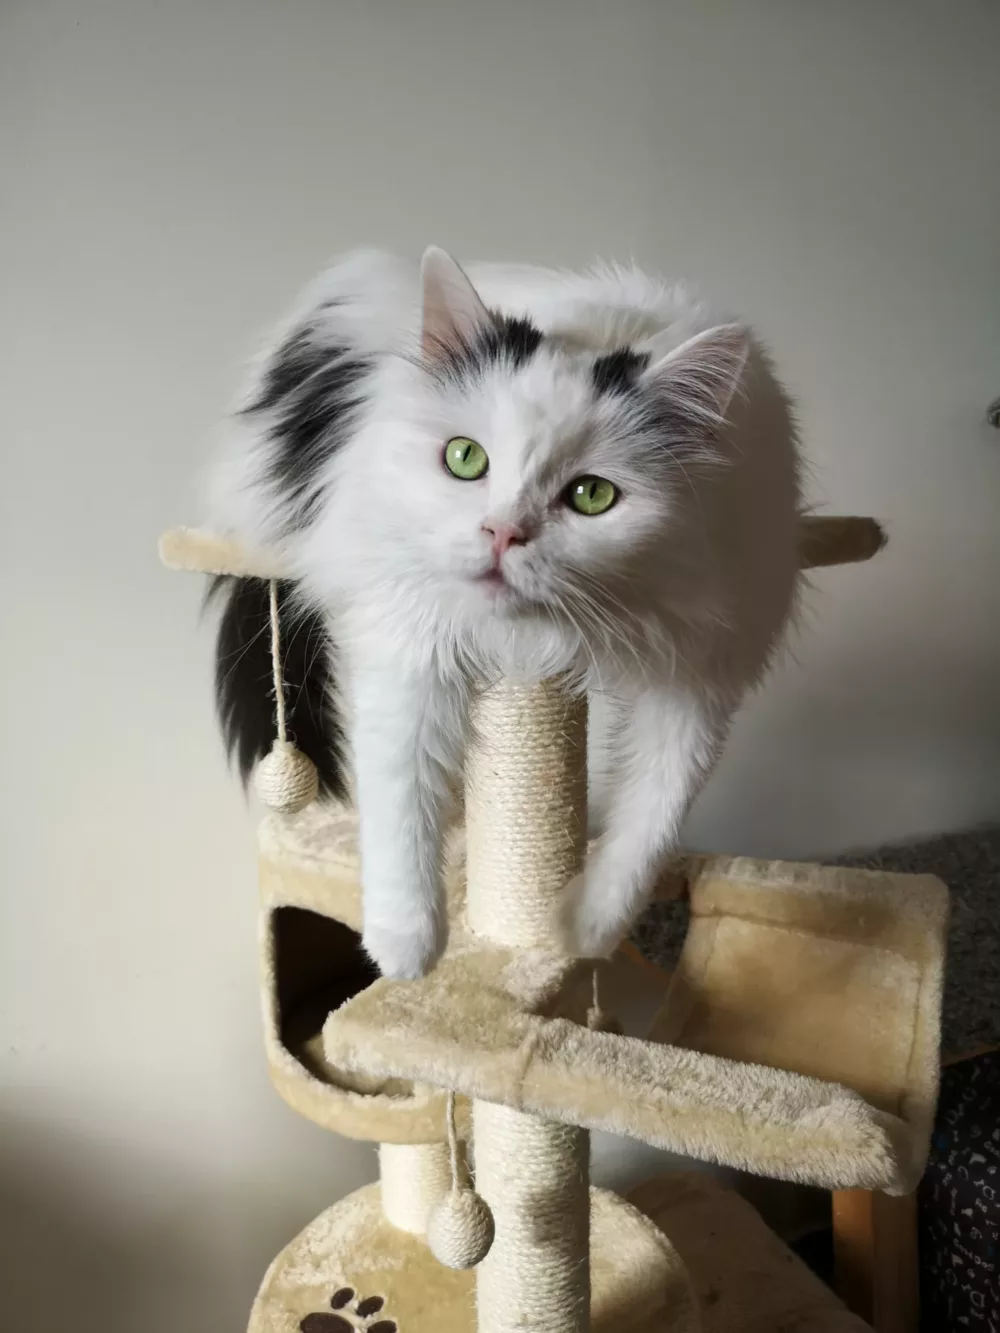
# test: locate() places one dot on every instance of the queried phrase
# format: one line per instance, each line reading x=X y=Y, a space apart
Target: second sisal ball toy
x=460 y=1229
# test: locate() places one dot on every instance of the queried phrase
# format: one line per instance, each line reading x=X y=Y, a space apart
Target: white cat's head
x=499 y=471
x=533 y=473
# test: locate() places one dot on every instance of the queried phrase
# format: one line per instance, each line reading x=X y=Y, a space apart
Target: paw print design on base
x=353 y=1316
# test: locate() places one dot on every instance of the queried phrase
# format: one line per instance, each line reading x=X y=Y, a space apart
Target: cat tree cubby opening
x=319 y=964
x=311 y=964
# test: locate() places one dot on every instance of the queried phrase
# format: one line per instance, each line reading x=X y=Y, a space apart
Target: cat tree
x=796 y=1039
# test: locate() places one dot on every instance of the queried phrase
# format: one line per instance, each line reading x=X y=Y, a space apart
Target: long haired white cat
x=513 y=471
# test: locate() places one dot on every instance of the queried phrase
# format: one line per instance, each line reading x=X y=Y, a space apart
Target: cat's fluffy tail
x=244 y=688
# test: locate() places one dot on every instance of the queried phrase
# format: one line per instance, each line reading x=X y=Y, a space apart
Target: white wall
x=170 y=173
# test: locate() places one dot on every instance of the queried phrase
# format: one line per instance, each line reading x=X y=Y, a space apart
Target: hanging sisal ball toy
x=286 y=779
x=460 y=1230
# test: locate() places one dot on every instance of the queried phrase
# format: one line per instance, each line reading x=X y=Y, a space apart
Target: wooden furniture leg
x=875 y=1258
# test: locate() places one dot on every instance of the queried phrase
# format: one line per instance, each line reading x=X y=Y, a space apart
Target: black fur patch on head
x=653 y=411
x=618 y=371
x=512 y=340
x=244 y=688
x=505 y=341
x=310 y=388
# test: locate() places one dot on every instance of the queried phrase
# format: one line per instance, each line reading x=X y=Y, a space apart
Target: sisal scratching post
x=526 y=831
x=414 y=1178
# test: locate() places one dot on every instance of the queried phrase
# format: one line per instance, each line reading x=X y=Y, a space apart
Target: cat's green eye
x=591 y=495
x=465 y=459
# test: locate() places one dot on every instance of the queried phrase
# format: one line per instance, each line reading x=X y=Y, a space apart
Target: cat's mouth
x=497 y=586
x=504 y=589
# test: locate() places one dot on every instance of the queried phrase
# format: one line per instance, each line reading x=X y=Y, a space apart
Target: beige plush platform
x=638 y=1284
x=829 y=972
x=824 y=539
x=721 y=1270
x=485 y=1023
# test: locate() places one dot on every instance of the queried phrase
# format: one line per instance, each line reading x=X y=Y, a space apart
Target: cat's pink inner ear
x=453 y=314
x=705 y=372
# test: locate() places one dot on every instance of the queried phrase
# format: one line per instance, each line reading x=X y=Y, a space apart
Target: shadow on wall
x=857 y=753
x=95 y=1239
x=75 y=1260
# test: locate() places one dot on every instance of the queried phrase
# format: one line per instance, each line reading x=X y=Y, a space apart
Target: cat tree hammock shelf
x=796 y=1039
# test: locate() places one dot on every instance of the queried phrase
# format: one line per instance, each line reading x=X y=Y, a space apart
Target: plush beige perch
x=823 y=540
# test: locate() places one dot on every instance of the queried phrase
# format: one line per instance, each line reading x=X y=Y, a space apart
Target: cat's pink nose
x=505 y=535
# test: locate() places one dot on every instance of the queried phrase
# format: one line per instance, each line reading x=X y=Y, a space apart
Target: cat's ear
x=702 y=374
x=453 y=314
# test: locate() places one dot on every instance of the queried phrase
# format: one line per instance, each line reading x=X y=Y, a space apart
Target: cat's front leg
x=405 y=737
x=661 y=755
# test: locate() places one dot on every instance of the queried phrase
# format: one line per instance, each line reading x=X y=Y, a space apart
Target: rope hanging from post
x=286 y=779
x=598 y=1018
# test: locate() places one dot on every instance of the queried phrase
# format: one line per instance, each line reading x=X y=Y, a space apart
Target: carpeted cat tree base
x=722 y=1271
x=637 y=1280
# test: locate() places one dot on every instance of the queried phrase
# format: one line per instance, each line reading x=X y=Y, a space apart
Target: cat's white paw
x=585 y=926
x=405 y=953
